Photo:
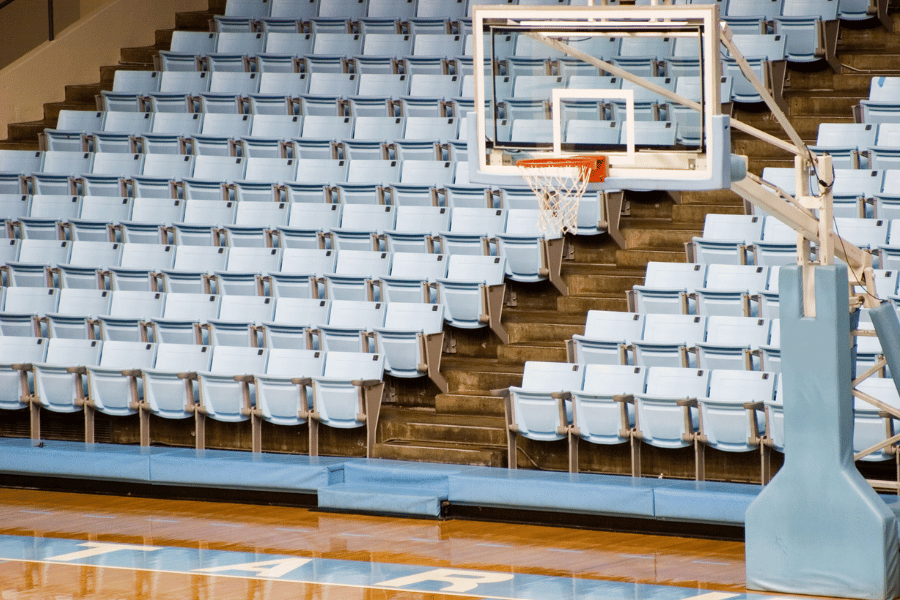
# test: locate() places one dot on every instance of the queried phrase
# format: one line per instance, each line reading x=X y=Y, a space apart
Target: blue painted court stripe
x=490 y=585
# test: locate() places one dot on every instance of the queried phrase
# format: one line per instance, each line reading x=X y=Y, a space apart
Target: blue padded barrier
x=76 y=460
x=245 y=470
x=546 y=490
x=399 y=499
x=703 y=501
x=392 y=486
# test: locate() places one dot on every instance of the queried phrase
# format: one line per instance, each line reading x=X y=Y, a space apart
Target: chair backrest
x=354 y=365
x=89 y=303
x=72 y=352
x=133 y=304
x=740 y=228
x=148 y=256
x=426 y=219
x=254 y=309
x=614 y=379
x=675 y=276
x=426 y=318
x=311 y=261
x=201 y=258
x=14 y=349
x=96 y=254
x=673 y=329
x=857 y=182
x=613 y=325
x=182 y=357
x=484 y=269
x=238 y=360
x=356 y=314
x=194 y=307
x=368 y=217
x=127 y=355
x=676 y=382
x=484 y=221
x=302 y=311
x=419 y=265
x=290 y=362
x=542 y=376
x=742 y=386
x=250 y=259
x=321 y=170
x=863 y=232
x=745 y=331
x=364 y=263
x=736 y=277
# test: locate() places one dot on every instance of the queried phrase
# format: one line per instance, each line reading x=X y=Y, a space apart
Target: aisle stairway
x=465 y=425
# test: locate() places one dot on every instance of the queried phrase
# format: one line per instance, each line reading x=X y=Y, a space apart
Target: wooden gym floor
x=51 y=544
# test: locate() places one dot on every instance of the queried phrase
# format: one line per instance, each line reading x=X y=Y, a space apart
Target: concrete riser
x=456 y=456
x=465 y=404
x=423 y=432
x=518 y=354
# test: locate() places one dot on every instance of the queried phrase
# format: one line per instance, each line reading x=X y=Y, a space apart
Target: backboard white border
x=686 y=169
x=557 y=96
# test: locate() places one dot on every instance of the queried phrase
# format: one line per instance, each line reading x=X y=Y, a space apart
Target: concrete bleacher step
x=600 y=251
x=138 y=54
x=520 y=352
x=193 y=20
x=479 y=375
x=590 y=280
x=645 y=233
x=825 y=103
x=694 y=213
x=431 y=451
x=582 y=304
x=468 y=404
x=857 y=83
x=547 y=325
x=639 y=257
x=877 y=62
x=425 y=425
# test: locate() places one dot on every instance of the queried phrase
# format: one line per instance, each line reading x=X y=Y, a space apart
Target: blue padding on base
x=433 y=476
x=111 y=462
x=544 y=490
x=245 y=470
x=407 y=500
x=704 y=501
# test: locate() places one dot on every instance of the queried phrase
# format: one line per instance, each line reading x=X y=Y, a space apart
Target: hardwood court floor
x=520 y=549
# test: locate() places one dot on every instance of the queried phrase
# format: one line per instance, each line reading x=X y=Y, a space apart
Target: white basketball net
x=558 y=190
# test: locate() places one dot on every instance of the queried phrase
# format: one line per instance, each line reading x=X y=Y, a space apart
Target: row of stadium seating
x=670 y=407
x=177 y=381
x=307 y=10
x=748 y=239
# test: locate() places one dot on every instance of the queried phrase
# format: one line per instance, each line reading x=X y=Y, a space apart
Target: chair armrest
x=76 y=370
x=692 y=402
x=624 y=398
x=188 y=375
x=500 y=393
x=365 y=382
x=244 y=378
x=754 y=405
x=301 y=380
x=131 y=372
x=21 y=366
x=561 y=395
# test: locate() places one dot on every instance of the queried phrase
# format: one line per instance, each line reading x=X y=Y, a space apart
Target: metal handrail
x=51 y=33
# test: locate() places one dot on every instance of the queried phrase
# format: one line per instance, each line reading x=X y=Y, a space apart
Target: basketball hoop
x=559 y=184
